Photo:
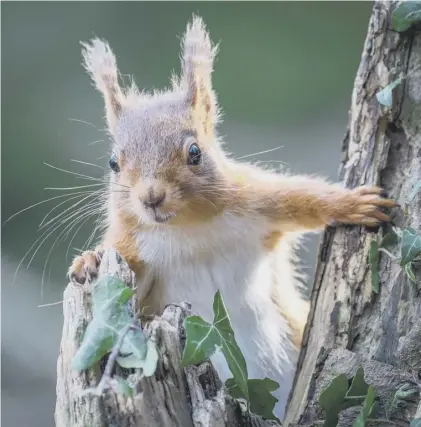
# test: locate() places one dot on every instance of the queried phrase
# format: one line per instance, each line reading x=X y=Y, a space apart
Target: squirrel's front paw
x=84 y=267
x=362 y=206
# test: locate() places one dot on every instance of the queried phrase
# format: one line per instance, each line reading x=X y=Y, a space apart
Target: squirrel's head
x=166 y=161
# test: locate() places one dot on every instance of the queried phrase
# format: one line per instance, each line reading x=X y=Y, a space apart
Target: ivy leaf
x=358 y=386
x=203 y=339
x=373 y=259
x=410 y=245
x=358 y=389
x=367 y=408
x=334 y=394
x=389 y=239
x=385 y=96
x=136 y=359
x=122 y=386
x=416 y=422
x=261 y=399
x=406 y=14
x=331 y=399
x=409 y=272
x=356 y=394
x=403 y=393
x=111 y=316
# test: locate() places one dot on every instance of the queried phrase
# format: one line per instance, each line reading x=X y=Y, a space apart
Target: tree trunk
x=382 y=146
x=173 y=397
x=348 y=326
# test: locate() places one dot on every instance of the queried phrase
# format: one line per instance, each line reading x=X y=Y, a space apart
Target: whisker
x=104 y=182
x=82 y=176
x=80 y=212
x=91 y=236
x=66 y=210
x=49 y=234
x=43 y=201
x=71 y=225
x=86 y=216
x=72 y=188
x=96 y=142
x=64 y=170
x=261 y=152
x=207 y=200
x=83 y=121
x=62 y=203
x=98 y=224
x=50 y=304
x=87 y=163
x=95 y=206
x=92 y=208
x=77 y=215
x=272 y=161
x=94 y=211
x=53 y=228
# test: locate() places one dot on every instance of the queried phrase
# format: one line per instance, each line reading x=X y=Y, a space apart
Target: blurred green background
x=284 y=77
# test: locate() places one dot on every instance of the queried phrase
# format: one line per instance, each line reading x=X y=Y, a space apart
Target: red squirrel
x=190 y=220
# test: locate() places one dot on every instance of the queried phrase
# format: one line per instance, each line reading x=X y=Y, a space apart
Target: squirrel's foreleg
x=297 y=203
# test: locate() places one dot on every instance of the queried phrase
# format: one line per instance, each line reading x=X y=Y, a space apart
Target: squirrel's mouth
x=160 y=217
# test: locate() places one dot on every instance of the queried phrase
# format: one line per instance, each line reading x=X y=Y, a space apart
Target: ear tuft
x=100 y=63
x=198 y=54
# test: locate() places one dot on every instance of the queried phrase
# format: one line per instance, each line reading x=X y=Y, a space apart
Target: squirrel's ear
x=198 y=55
x=101 y=64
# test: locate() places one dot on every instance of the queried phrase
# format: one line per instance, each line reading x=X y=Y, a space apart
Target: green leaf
x=261 y=400
x=409 y=272
x=203 y=339
x=137 y=359
x=122 y=386
x=331 y=399
x=410 y=245
x=389 y=239
x=358 y=386
x=406 y=14
x=404 y=391
x=331 y=420
x=373 y=259
x=334 y=394
x=367 y=408
x=385 y=96
x=417 y=187
x=356 y=394
x=416 y=422
x=111 y=316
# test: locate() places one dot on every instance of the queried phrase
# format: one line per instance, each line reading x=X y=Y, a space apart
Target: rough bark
x=173 y=397
x=382 y=146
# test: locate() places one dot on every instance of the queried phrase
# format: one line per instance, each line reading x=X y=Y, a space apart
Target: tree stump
x=173 y=397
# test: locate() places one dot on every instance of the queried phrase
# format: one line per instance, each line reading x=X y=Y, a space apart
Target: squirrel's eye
x=114 y=164
x=194 y=155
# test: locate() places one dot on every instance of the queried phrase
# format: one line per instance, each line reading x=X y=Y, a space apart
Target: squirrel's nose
x=154 y=200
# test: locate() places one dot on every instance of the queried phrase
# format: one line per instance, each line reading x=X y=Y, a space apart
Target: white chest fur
x=192 y=264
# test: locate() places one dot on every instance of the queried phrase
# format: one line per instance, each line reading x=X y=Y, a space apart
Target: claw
x=84 y=268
